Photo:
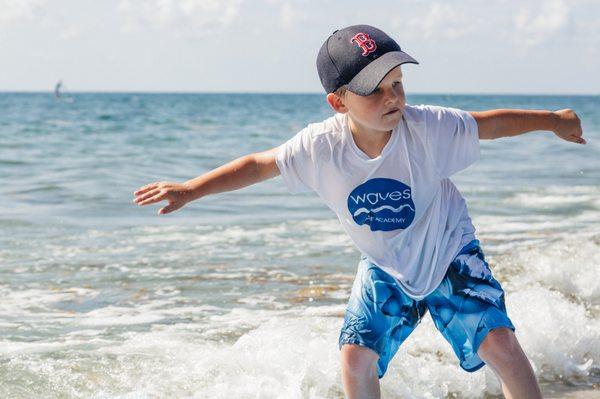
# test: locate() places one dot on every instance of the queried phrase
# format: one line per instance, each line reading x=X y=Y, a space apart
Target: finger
x=580 y=133
x=146 y=196
x=145 y=188
x=169 y=208
x=577 y=139
x=157 y=198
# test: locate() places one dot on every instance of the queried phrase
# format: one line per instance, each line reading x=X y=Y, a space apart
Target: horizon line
x=540 y=94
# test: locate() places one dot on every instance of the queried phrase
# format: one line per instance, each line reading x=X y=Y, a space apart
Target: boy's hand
x=177 y=194
x=568 y=126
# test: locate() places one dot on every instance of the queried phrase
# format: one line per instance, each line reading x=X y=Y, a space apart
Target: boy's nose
x=391 y=97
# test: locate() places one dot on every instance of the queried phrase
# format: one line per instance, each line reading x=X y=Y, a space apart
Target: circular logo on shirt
x=382 y=204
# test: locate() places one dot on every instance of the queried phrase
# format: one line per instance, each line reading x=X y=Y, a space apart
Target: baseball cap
x=358 y=56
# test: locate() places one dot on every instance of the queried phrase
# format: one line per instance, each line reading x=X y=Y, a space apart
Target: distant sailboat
x=57 y=89
x=61 y=93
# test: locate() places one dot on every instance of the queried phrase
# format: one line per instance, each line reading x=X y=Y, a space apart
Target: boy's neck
x=369 y=141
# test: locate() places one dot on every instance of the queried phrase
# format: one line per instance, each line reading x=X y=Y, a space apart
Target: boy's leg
x=469 y=310
x=359 y=372
x=502 y=352
x=379 y=317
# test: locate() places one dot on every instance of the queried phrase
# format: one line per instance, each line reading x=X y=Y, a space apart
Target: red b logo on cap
x=363 y=41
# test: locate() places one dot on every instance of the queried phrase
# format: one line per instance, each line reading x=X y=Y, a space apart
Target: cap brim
x=370 y=76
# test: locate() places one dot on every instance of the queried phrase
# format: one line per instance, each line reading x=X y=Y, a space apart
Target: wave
x=395 y=210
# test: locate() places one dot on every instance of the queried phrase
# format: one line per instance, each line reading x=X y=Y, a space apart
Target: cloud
x=193 y=17
x=36 y=12
x=70 y=32
x=440 y=21
x=538 y=22
x=12 y=11
x=288 y=16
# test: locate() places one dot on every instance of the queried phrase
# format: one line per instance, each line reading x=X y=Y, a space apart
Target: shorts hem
x=475 y=368
x=476 y=348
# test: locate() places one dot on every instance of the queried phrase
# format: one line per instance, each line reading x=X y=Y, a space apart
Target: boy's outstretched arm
x=241 y=172
x=498 y=123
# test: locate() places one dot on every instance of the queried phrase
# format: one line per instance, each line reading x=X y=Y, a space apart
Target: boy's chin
x=391 y=121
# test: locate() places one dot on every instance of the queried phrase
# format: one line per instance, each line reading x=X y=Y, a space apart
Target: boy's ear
x=337 y=103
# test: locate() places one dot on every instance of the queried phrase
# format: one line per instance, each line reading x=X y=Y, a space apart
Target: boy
x=383 y=167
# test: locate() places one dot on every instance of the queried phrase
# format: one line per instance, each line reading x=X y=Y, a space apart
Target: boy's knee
x=358 y=360
x=499 y=345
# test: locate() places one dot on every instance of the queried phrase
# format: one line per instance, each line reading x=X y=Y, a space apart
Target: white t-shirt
x=400 y=209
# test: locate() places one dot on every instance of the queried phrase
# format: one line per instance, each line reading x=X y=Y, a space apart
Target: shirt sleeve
x=452 y=139
x=296 y=163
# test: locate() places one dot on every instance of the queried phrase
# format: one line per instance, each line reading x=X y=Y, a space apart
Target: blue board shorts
x=466 y=305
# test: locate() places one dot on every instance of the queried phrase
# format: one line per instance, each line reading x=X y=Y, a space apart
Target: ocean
x=242 y=294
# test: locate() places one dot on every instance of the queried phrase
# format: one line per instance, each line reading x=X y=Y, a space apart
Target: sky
x=467 y=46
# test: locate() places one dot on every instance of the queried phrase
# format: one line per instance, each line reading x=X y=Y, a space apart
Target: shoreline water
x=242 y=294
